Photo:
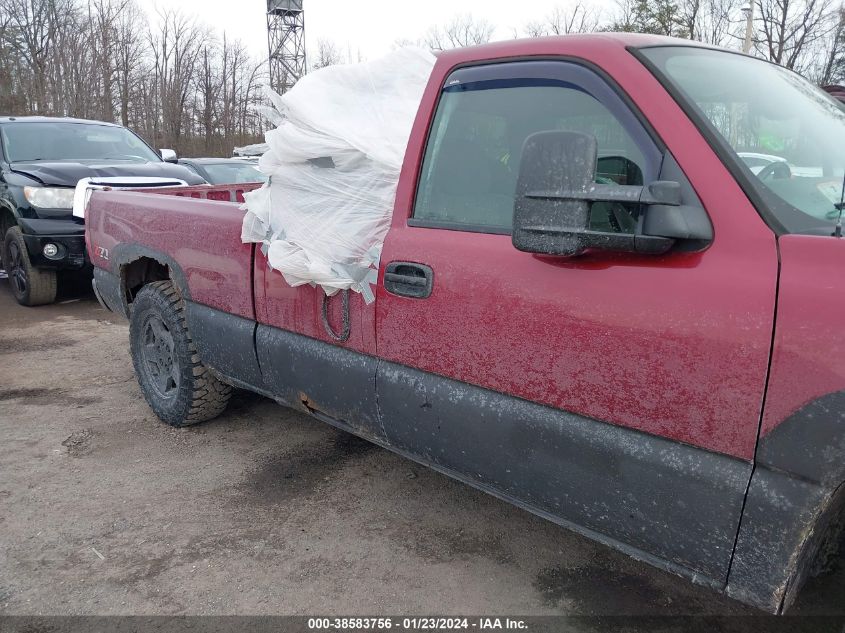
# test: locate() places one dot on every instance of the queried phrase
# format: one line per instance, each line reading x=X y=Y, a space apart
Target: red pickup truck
x=588 y=303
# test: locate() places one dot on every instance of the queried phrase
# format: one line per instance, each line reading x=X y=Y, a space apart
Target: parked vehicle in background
x=41 y=161
x=223 y=171
x=252 y=152
x=757 y=161
x=642 y=344
x=768 y=166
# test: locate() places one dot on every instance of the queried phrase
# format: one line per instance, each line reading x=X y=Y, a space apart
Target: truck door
x=617 y=393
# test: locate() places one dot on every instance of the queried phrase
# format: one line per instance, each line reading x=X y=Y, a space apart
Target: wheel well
x=824 y=544
x=140 y=272
x=7 y=220
x=832 y=541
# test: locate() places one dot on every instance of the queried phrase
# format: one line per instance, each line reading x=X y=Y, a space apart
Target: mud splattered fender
x=795 y=491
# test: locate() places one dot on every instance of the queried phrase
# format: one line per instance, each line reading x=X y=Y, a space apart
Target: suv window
x=471 y=164
x=58 y=140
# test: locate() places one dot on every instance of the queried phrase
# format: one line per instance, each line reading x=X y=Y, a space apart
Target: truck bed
x=128 y=226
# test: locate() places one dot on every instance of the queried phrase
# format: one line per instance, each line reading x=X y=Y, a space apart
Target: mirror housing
x=555 y=192
x=168 y=155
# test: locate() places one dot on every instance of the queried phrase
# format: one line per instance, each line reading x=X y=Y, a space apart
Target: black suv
x=41 y=161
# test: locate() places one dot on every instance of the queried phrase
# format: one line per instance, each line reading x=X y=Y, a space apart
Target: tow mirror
x=555 y=192
x=168 y=155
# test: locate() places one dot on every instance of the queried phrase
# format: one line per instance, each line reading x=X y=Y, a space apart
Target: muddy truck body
x=587 y=304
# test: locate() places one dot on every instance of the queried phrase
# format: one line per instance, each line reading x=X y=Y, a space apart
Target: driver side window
x=471 y=164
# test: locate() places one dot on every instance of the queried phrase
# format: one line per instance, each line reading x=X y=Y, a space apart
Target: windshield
x=72 y=141
x=227 y=173
x=788 y=135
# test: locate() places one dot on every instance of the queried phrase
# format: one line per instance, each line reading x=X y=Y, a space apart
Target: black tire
x=31 y=286
x=177 y=386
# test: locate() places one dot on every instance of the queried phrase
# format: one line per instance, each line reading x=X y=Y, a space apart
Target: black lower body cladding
x=657 y=499
x=324 y=379
x=797 y=490
x=782 y=526
x=233 y=354
x=108 y=292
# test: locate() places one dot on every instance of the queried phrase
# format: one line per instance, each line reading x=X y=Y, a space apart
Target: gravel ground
x=105 y=510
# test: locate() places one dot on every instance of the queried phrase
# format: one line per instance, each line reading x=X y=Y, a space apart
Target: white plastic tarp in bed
x=334 y=163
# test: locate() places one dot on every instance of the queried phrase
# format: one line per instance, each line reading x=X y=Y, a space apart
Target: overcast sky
x=368 y=26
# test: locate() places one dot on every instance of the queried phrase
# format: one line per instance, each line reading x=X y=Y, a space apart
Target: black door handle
x=407 y=279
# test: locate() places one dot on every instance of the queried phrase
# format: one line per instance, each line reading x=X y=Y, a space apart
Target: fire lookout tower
x=286 y=39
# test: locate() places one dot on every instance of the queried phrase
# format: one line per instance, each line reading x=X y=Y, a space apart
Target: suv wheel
x=177 y=386
x=31 y=286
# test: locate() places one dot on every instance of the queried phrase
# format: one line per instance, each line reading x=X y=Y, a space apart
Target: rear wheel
x=177 y=386
x=31 y=286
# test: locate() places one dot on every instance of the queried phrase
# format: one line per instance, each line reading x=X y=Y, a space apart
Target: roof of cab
x=563 y=45
x=52 y=119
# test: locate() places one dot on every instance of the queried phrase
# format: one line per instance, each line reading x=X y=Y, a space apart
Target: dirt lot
x=104 y=510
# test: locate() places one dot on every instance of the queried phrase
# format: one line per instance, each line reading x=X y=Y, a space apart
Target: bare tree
x=832 y=49
x=173 y=82
x=461 y=30
x=402 y=42
x=328 y=54
x=209 y=87
x=711 y=21
x=235 y=66
x=176 y=47
x=33 y=25
x=10 y=100
x=658 y=17
x=105 y=17
x=789 y=29
x=578 y=18
x=128 y=61
x=73 y=84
